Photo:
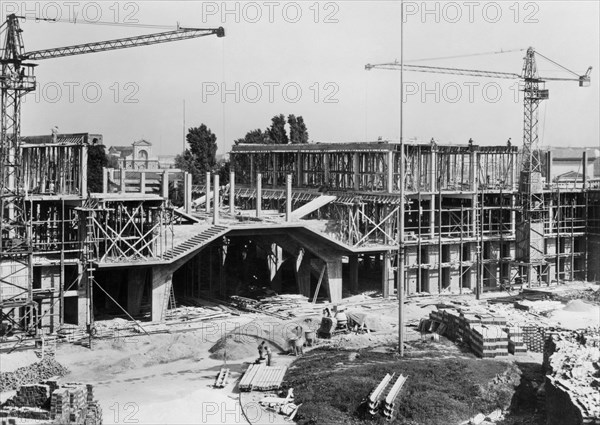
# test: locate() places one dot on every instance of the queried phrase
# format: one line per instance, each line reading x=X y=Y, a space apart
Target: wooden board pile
x=383 y=397
x=222 y=378
x=262 y=378
x=68 y=404
x=282 y=306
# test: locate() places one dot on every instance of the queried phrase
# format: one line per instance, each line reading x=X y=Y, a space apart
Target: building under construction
x=317 y=219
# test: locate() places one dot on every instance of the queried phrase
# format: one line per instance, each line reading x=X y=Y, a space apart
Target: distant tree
x=96 y=160
x=277 y=132
x=302 y=131
x=293 y=123
x=255 y=137
x=201 y=155
x=298 y=133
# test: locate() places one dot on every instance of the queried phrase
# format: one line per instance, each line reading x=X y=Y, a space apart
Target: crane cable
x=557 y=64
x=104 y=23
x=467 y=55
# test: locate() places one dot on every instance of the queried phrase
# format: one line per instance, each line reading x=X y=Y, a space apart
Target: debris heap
x=572 y=363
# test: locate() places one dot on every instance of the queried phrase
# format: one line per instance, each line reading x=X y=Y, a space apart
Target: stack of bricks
x=59 y=407
x=489 y=341
x=467 y=320
x=516 y=343
x=534 y=338
x=34 y=395
x=93 y=414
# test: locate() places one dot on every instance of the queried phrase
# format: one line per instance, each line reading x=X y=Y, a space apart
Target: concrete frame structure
x=323 y=216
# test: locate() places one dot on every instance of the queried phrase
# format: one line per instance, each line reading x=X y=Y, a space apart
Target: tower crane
x=16 y=80
x=530 y=227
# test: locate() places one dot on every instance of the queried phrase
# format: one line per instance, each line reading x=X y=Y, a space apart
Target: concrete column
x=207 y=196
x=434 y=176
x=83 y=299
x=165 y=184
x=353 y=265
x=333 y=280
x=232 y=193
x=142 y=182
x=258 y=195
x=104 y=180
x=122 y=180
x=356 y=170
x=288 y=198
x=584 y=168
x=474 y=215
x=387 y=276
x=390 y=171
x=326 y=169
x=84 y=171
x=549 y=167
x=432 y=216
x=162 y=280
x=187 y=193
x=136 y=280
x=513 y=216
x=473 y=171
x=216 y=199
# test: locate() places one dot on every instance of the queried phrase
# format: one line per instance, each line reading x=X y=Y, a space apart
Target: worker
x=269 y=354
x=261 y=348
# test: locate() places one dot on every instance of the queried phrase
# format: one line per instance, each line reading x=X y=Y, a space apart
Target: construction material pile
x=36 y=372
x=262 y=378
x=488 y=335
x=280 y=306
x=383 y=397
x=72 y=403
x=572 y=362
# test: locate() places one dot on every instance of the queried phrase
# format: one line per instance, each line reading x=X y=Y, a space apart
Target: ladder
x=170 y=303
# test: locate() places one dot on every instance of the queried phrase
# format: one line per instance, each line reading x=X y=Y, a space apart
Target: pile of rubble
x=36 y=372
x=572 y=363
x=71 y=403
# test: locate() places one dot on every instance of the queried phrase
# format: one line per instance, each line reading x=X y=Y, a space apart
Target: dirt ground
x=168 y=378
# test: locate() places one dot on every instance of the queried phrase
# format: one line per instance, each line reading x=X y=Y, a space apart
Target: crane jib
x=122 y=43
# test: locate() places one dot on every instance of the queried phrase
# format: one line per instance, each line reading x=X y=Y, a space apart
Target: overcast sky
x=308 y=58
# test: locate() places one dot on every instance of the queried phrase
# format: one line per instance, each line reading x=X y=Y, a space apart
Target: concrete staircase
x=192 y=244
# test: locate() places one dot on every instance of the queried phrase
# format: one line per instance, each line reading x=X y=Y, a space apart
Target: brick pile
x=34 y=373
x=72 y=403
x=488 y=335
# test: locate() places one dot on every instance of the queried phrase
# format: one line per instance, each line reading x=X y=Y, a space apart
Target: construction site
x=334 y=252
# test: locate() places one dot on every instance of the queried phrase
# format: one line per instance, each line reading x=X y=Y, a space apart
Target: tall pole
x=400 y=259
x=183 y=141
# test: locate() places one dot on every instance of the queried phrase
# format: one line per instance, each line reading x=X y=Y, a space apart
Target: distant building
x=139 y=156
x=567 y=164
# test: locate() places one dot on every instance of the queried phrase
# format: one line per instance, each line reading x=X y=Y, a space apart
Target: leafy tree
x=97 y=159
x=255 y=136
x=298 y=133
x=302 y=131
x=277 y=132
x=201 y=155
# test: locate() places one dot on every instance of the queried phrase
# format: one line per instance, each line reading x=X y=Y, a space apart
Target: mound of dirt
x=579 y=306
x=235 y=347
